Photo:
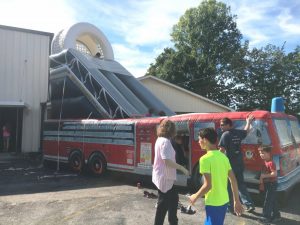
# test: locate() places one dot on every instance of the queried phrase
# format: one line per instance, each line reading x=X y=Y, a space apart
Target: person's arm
x=238 y=208
x=268 y=175
x=203 y=190
x=170 y=163
x=249 y=120
x=224 y=142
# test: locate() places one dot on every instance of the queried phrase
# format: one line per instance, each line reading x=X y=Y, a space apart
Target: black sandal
x=152 y=195
x=149 y=195
x=187 y=210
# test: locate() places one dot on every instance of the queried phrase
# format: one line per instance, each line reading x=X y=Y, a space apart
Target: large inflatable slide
x=86 y=82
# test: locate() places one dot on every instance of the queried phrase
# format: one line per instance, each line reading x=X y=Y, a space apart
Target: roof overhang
x=12 y=104
x=150 y=77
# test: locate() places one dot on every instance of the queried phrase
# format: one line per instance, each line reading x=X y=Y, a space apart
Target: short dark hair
x=226 y=121
x=265 y=148
x=210 y=134
x=161 y=113
x=166 y=129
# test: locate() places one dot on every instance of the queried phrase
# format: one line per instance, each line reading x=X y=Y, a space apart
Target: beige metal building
x=24 y=71
x=179 y=99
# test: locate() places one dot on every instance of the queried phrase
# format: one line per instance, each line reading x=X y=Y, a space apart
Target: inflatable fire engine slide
x=84 y=86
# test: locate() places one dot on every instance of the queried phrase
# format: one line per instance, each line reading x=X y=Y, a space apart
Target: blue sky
x=139 y=29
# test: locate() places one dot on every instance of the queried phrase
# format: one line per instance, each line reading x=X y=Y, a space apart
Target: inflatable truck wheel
x=97 y=164
x=76 y=161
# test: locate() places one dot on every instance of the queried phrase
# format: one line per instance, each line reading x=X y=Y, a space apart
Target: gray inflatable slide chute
x=82 y=85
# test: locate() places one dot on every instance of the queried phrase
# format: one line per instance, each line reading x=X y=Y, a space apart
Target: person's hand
x=250 y=118
x=238 y=208
x=222 y=149
x=185 y=171
x=193 y=199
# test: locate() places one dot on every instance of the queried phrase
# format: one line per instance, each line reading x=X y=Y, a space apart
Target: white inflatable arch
x=85 y=35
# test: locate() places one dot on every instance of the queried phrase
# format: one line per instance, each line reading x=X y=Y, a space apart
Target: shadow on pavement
x=25 y=175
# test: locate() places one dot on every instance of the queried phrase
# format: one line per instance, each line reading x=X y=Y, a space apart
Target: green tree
x=268 y=72
x=207 y=50
x=293 y=99
x=209 y=58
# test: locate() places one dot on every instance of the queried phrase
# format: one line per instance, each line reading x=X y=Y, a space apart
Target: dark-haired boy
x=268 y=178
x=215 y=169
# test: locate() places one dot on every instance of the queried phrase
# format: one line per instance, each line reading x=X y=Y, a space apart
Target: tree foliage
x=209 y=58
x=268 y=72
x=207 y=48
x=293 y=97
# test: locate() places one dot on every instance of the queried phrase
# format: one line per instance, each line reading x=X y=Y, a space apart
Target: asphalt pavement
x=31 y=194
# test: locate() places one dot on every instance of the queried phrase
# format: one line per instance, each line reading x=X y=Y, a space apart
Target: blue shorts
x=215 y=215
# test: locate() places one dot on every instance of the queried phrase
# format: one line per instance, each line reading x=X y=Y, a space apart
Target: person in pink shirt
x=164 y=174
x=6 y=137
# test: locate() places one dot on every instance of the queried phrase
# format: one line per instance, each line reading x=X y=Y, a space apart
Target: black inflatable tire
x=97 y=164
x=76 y=161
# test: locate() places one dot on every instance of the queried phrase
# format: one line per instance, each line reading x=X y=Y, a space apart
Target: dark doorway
x=13 y=117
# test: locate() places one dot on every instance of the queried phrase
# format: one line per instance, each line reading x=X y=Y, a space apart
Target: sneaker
x=249 y=208
x=265 y=221
x=276 y=218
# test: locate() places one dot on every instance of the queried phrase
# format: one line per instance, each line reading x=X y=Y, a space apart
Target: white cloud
x=140 y=25
x=47 y=15
x=256 y=37
x=251 y=15
x=140 y=29
x=267 y=22
x=284 y=21
x=144 y=22
x=134 y=60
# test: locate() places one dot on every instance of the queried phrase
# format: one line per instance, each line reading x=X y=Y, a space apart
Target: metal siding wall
x=24 y=67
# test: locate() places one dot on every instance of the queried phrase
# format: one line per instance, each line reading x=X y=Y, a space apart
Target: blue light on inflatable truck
x=278 y=105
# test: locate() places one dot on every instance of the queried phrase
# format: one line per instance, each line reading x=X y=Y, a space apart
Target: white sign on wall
x=145 y=156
